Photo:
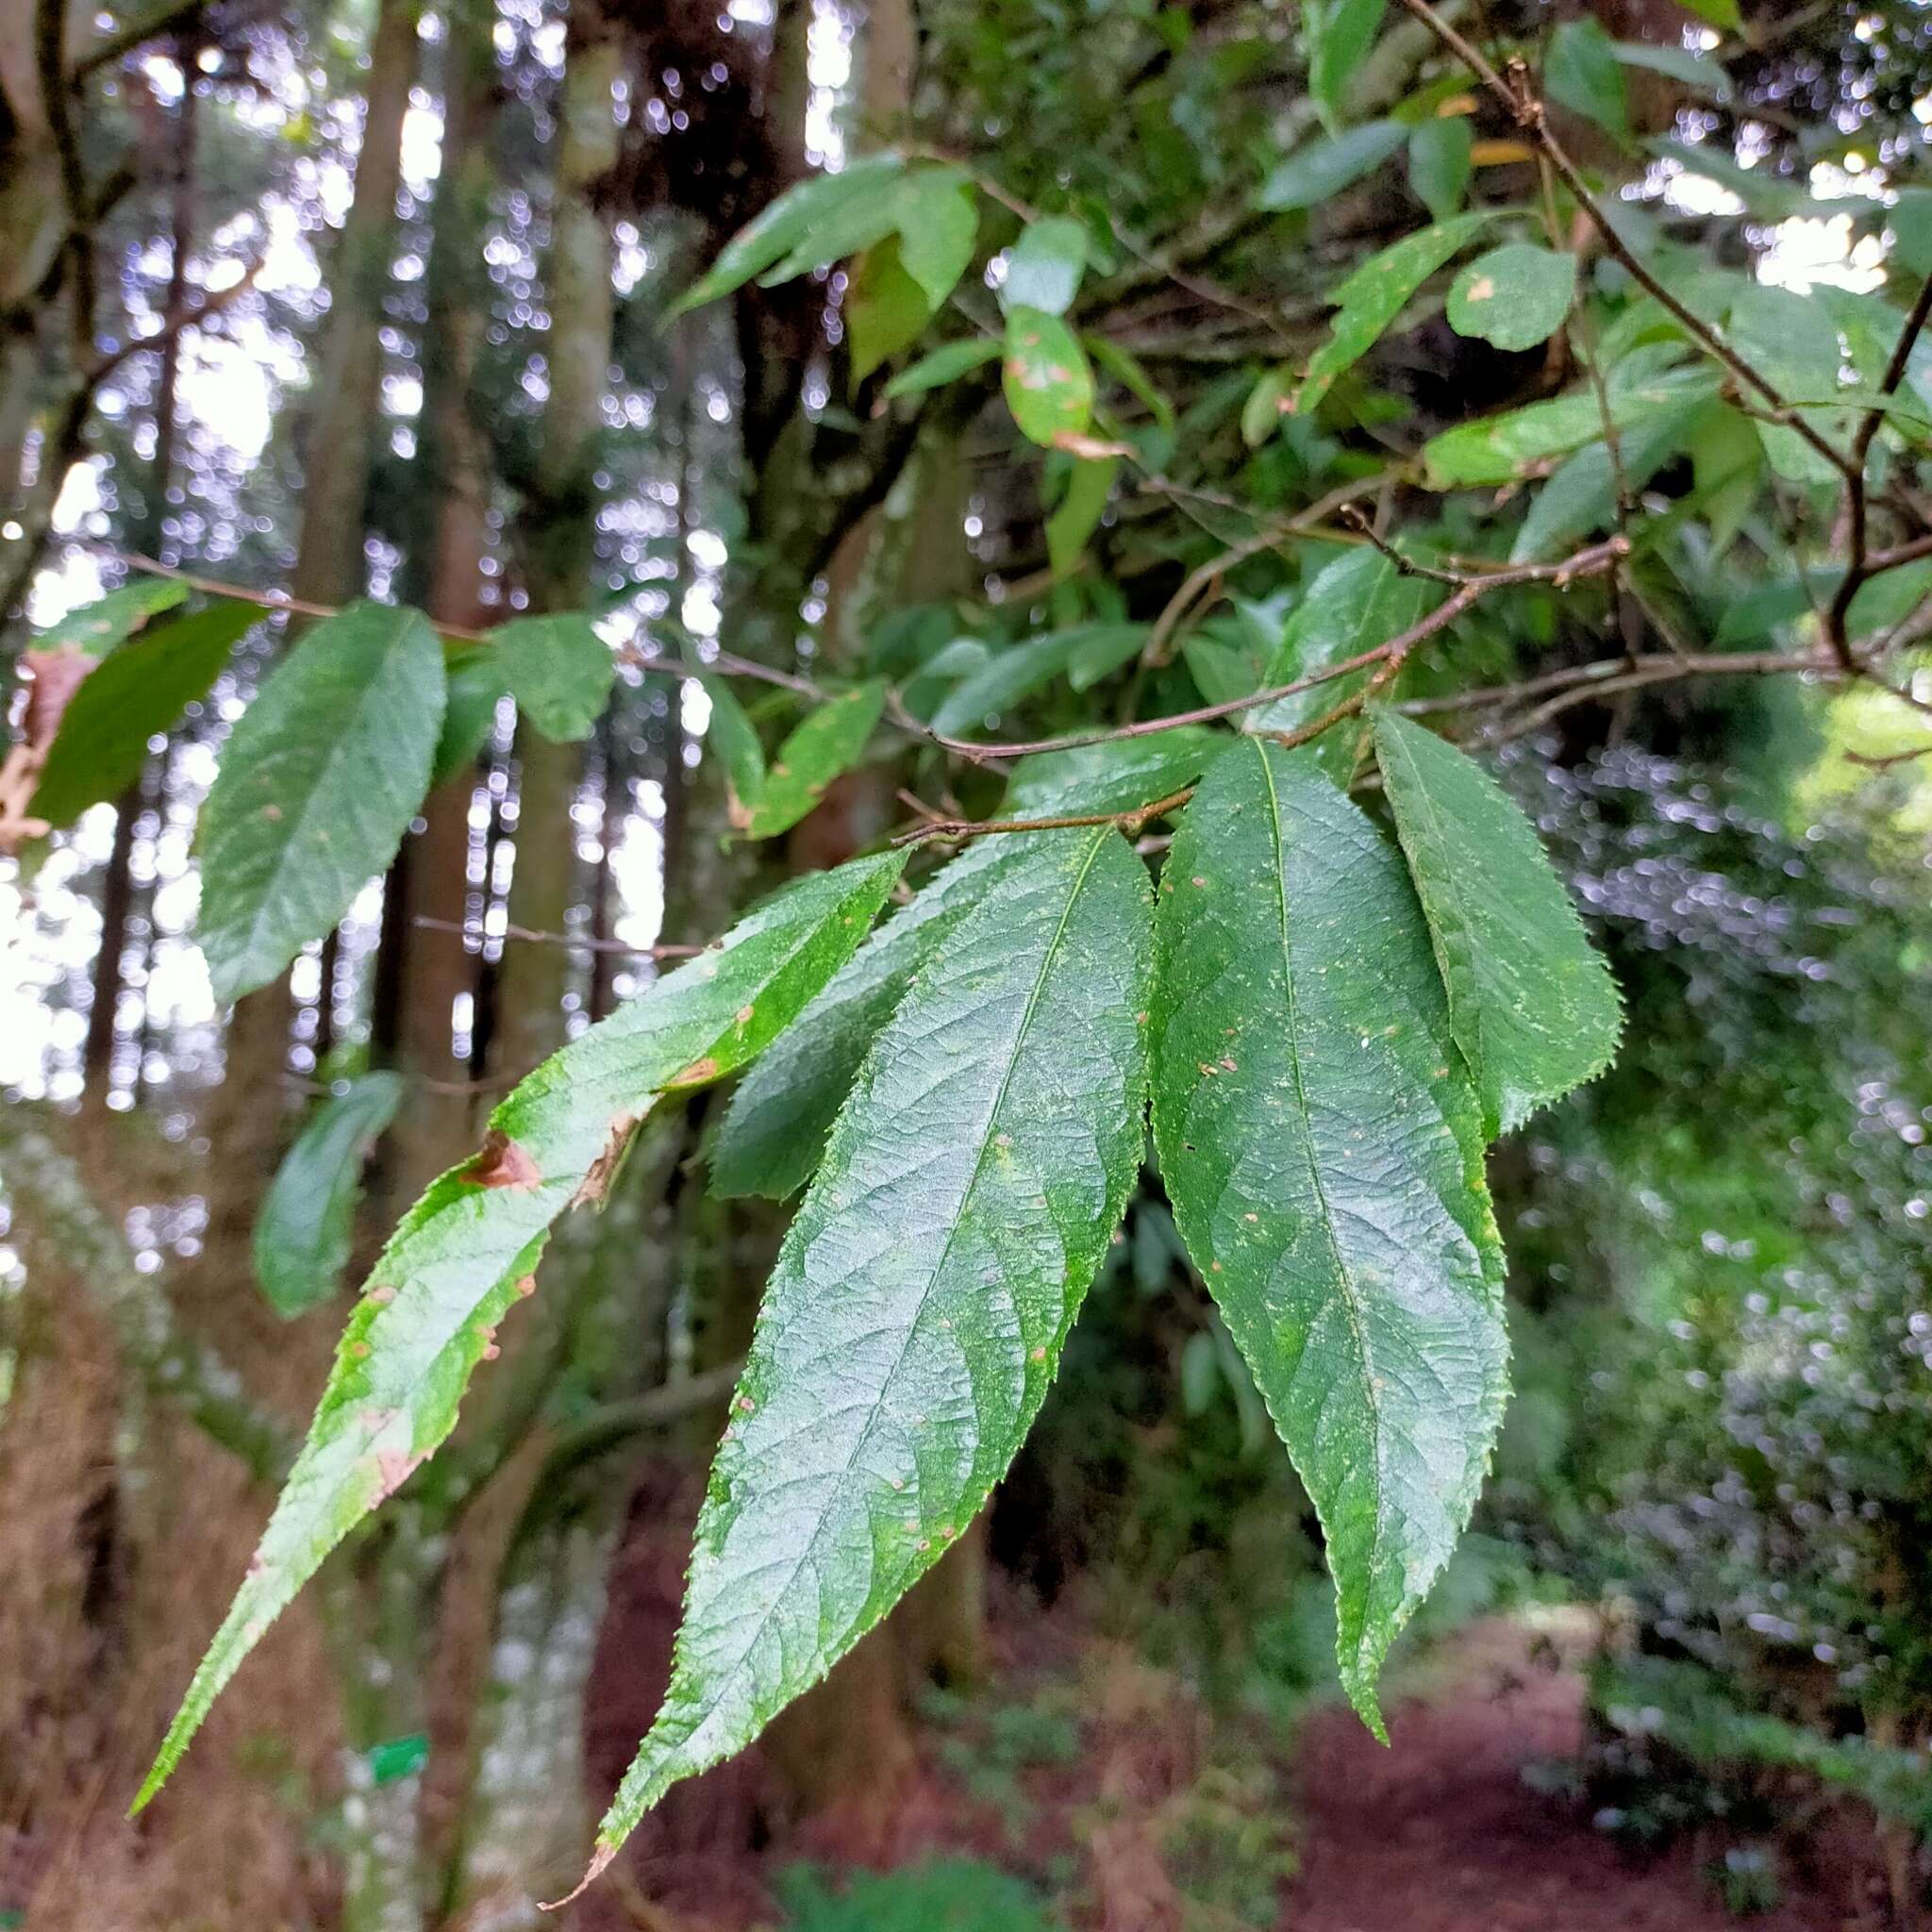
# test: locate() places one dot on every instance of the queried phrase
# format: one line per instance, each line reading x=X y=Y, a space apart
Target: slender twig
x=194 y=315
x=136 y=33
x=530 y=936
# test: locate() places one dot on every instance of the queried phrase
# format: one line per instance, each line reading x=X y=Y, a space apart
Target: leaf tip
x=600 y=1863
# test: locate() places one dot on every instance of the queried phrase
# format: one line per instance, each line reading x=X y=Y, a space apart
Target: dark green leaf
x=1515 y=296
x=1911 y=229
x=1046 y=264
x=1268 y=402
x=456 y=1265
x=1581 y=497
x=303 y=1233
x=1376 y=293
x=1323 y=1149
x=103 y=738
x=1581 y=73
x=1048 y=385
x=1325 y=167
x=1719 y=13
x=477 y=685
x=1440 y=163
x=826 y=742
x=938 y=226
x=1531 y=1004
x=1340 y=32
x=1698 y=71
x=972 y=1184
x=1220 y=673
x=946 y=364
x=885 y=309
x=318 y=783
x=95 y=628
x=1089 y=486
x=1792 y=342
x=1023 y=668
x=559 y=670
x=734 y=739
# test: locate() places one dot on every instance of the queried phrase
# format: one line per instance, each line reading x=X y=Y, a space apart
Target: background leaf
x=1322 y=1147
x=1048 y=385
x=938 y=226
x=1581 y=73
x=733 y=737
x=971 y=1187
x=945 y=364
x=1440 y=162
x=885 y=309
x=1515 y=296
x=827 y=740
x=1325 y=167
x=1046 y=264
x=96 y=629
x=317 y=784
x=559 y=670
x=451 y=1269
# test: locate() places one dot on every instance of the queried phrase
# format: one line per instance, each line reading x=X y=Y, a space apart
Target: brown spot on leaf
x=696 y=1075
x=603 y=1171
x=502 y=1163
x=57 y=674
x=1482 y=289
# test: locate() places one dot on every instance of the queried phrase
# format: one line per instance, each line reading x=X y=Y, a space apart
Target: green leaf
x=1581 y=497
x=1376 y=293
x=1441 y=158
x=559 y=670
x=1515 y=296
x=1792 y=342
x=1340 y=32
x=731 y=734
x=1089 y=486
x=101 y=741
x=1048 y=384
x=475 y=685
x=938 y=228
x=1356 y=603
x=946 y=364
x=1531 y=1003
x=1127 y=370
x=1722 y=14
x=885 y=309
x=1768 y=196
x=1268 y=402
x=96 y=629
x=1220 y=673
x=826 y=742
x=773 y=1131
x=1581 y=73
x=1323 y=1149
x=1046 y=264
x=1698 y=71
x=973 y=1182
x=792 y=221
x=303 y=1232
x=318 y=783
x=455 y=1265
x=1023 y=668
x=1911 y=229
x=1324 y=167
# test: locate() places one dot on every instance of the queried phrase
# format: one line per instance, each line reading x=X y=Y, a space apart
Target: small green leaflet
x=733 y=737
x=971 y=1185
x=1697 y=71
x=1090 y=484
x=945 y=364
x=885 y=309
x=1356 y=603
x=1515 y=296
x=1581 y=495
x=1324 y=167
x=1046 y=264
x=1093 y=649
x=938 y=226
x=1268 y=402
x=826 y=742
x=318 y=783
x=1440 y=159
x=1580 y=73
x=1323 y=1149
x=1048 y=384
x=773 y=1131
x=1531 y=1003
x=1340 y=34
x=1719 y=13
x=799 y=214
x=475 y=685
x=96 y=629
x=103 y=740
x=455 y=1265
x=1793 y=341
x=303 y=1232
x=559 y=670
x=1376 y=293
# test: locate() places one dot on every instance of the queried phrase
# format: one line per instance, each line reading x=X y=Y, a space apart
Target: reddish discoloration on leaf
x=57 y=674
x=502 y=1163
x=696 y=1075
x=596 y=1183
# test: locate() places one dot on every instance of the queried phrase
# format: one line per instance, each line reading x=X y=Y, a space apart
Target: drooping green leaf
x=973 y=1182
x=456 y=1264
x=1048 y=384
x=1911 y=229
x=927 y=197
x=1340 y=32
x=938 y=226
x=1323 y=1148
x=96 y=629
x=885 y=309
x=1127 y=369
x=1325 y=167
x=1531 y=1003
x=1376 y=293
x=559 y=670
x=1221 y=671
x=1023 y=668
x=824 y=743
x=1580 y=73
x=1698 y=71
x=731 y=734
x=318 y=783
x=1046 y=264
x=1440 y=159
x=798 y=216
x=1515 y=296
x=775 y=1128
x=1078 y=513
x=946 y=364
x=104 y=730
x=1356 y=603
x=475 y=686
x=302 y=1234
x=1792 y=342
